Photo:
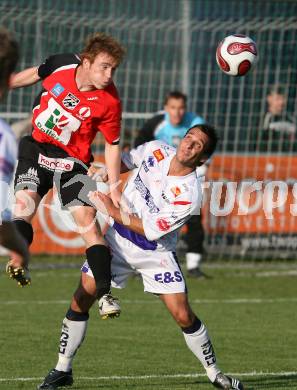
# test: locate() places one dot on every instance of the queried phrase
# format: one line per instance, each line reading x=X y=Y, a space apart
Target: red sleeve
x=110 y=124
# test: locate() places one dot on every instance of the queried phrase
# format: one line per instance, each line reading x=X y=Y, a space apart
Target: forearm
x=135 y=224
x=11 y=239
x=113 y=163
x=25 y=78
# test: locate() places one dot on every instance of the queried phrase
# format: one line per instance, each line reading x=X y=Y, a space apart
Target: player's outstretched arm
x=98 y=172
x=25 y=78
x=104 y=204
x=113 y=164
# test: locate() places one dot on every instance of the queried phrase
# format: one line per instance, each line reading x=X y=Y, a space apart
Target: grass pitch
x=250 y=312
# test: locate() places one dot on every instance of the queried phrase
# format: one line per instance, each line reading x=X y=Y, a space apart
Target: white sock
x=193 y=260
x=72 y=335
x=199 y=343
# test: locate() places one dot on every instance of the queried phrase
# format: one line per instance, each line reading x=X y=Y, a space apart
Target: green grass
x=249 y=335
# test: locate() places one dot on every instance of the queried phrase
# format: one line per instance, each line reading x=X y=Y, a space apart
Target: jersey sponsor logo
x=163 y=224
x=55 y=164
x=150 y=161
x=57 y=89
x=181 y=203
x=146 y=195
x=158 y=154
x=57 y=122
x=166 y=149
x=70 y=101
x=208 y=353
x=31 y=176
x=168 y=277
x=145 y=167
x=176 y=191
x=84 y=113
x=165 y=197
x=64 y=339
x=92 y=98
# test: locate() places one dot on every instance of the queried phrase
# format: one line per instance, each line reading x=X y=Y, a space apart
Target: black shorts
x=42 y=165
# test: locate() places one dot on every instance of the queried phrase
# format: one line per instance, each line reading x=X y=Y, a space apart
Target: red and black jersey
x=69 y=118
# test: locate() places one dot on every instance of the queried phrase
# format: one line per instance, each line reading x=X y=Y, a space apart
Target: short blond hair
x=102 y=43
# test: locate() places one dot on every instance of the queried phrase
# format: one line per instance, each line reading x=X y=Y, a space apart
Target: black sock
x=76 y=316
x=194 y=327
x=99 y=259
x=25 y=229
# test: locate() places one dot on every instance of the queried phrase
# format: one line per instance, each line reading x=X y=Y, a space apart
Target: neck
x=178 y=169
x=82 y=82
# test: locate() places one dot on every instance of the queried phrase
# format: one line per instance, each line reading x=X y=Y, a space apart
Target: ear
x=86 y=63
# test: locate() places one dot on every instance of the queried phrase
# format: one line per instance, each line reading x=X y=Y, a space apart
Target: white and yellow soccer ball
x=236 y=54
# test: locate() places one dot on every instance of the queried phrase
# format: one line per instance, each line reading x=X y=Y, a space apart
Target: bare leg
x=194 y=331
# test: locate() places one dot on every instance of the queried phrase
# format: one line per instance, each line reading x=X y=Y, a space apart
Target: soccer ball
x=236 y=54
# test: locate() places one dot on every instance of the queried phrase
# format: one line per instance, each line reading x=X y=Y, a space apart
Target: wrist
x=112 y=211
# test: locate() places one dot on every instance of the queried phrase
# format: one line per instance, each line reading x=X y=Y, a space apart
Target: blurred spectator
x=9 y=236
x=277 y=130
x=170 y=126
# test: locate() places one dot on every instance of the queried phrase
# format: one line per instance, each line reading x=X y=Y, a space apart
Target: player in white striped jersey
x=160 y=196
x=9 y=237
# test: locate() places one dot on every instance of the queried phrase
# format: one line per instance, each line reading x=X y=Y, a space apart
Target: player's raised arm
x=113 y=164
x=25 y=78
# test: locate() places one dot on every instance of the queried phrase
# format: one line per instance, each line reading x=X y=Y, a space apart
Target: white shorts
x=160 y=271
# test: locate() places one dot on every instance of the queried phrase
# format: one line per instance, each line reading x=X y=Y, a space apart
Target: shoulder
x=58 y=62
x=160 y=148
x=194 y=119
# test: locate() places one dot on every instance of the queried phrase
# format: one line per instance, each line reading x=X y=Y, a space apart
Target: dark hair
x=102 y=43
x=175 y=95
x=210 y=131
x=9 y=55
x=277 y=90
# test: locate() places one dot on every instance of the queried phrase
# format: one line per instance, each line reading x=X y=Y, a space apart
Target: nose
x=189 y=145
x=109 y=73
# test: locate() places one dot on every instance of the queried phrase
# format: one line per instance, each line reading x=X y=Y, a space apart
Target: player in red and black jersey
x=78 y=99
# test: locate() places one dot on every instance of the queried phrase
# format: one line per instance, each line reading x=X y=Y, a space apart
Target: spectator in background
x=277 y=128
x=9 y=236
x=170 y=126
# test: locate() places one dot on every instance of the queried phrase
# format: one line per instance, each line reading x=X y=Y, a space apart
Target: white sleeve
x=134 y=157
x=8 y=157
x=170 y=217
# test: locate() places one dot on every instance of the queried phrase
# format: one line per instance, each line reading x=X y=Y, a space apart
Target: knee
x=83 y=300
x=93 y=236
x=183 y=317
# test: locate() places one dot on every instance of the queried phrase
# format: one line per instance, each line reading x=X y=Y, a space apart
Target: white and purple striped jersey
x=8 y=157
x=164 y=203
